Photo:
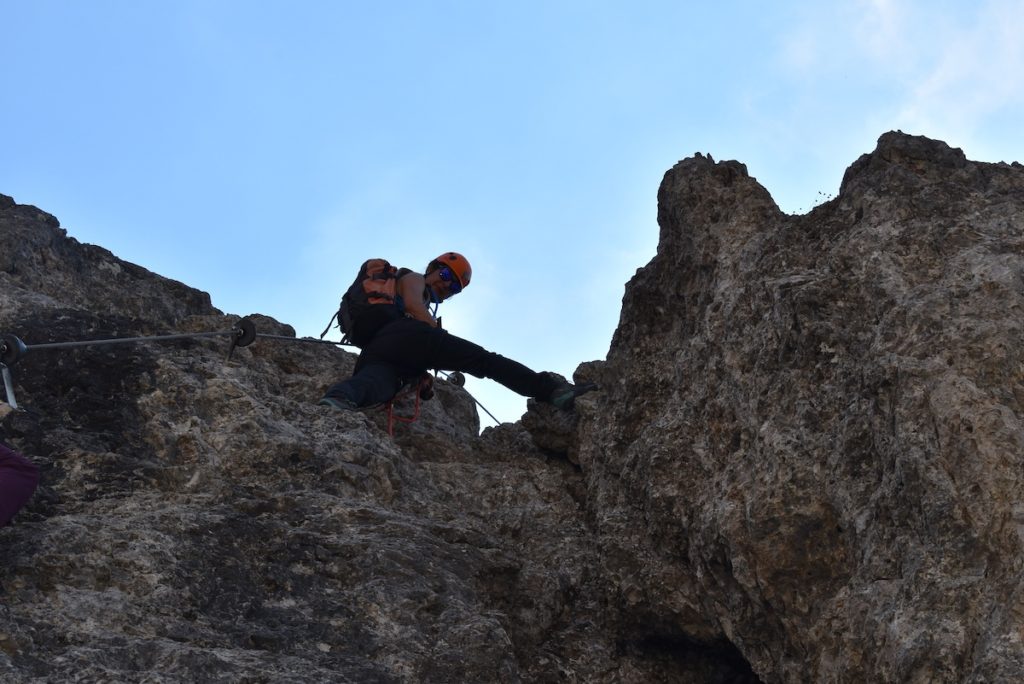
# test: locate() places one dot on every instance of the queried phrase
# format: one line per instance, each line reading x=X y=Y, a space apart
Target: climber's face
x=442 y=287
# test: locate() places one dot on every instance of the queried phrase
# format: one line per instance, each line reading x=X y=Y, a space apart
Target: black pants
x=404 y=349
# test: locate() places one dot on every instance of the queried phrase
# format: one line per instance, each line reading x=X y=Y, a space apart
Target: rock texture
x=205 y=521
x=804 y=465
x=810 y=442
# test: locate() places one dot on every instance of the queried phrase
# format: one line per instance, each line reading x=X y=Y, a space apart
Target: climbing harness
x=422 y=388
x=13 y=349
x=424 y=393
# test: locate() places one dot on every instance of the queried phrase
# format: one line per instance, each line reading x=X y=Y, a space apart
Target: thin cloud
x=979 y=75
x=882 y=28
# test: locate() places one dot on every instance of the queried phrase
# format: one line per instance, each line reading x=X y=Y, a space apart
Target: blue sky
x=260 y=151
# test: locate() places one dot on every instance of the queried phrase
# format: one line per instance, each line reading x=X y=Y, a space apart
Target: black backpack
x=369 y=303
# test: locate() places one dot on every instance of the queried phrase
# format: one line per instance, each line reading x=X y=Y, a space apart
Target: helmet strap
x=434 y=300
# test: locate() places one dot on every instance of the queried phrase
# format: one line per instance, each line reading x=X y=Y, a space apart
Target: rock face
x=810 y=442
x=804 y=465
x=205 y=521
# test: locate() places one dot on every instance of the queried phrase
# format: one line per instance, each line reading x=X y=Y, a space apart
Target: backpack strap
x=329 y=324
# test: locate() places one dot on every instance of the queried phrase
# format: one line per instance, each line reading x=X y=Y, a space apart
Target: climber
x=18 y=479
x=386 y=313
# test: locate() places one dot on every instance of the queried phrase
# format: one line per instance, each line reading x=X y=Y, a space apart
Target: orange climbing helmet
x=457 y=266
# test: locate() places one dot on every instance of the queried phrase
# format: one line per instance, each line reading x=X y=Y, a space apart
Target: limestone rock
x=804 y=464
x=200 y=520
x=550 y=429
x=812 y=445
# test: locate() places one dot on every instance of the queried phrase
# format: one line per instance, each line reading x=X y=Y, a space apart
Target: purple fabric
x=18 y=479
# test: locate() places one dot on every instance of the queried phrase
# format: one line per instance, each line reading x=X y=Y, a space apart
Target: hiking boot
x=338 y=404
x=564 y=395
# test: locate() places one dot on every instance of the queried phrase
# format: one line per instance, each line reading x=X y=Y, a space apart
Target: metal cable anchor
x=13 y=349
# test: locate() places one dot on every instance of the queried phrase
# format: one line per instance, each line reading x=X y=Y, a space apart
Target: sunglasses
x=454 y=286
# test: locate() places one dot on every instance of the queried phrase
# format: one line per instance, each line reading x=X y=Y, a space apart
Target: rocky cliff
x=804 y=465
